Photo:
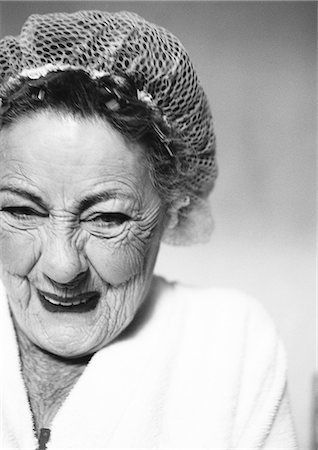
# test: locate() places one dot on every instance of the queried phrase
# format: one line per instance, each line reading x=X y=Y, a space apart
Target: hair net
x=112 y=43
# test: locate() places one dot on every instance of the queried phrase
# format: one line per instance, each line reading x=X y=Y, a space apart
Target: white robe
x=197 y=369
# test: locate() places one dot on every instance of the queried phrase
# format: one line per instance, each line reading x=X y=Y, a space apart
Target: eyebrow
x=26 y=194
x=84 y=204
x=91 y=200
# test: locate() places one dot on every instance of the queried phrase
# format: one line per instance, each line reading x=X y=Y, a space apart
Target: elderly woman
x=106 y=149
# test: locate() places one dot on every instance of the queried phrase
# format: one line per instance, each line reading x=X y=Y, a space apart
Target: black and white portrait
x=157 y=226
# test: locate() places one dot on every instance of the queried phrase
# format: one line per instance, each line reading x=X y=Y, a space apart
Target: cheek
x=117 y=262
x=18 y=251
x=17 y=256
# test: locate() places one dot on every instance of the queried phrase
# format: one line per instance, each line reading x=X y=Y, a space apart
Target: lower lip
x=87 y=306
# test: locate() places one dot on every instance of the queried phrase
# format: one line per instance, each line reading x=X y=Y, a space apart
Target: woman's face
x=80 y=228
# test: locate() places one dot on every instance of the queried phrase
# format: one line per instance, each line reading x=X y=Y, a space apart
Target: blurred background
x=257 y=63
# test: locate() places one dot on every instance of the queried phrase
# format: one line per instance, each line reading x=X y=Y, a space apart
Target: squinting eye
x=22 y=212
x=109 y=219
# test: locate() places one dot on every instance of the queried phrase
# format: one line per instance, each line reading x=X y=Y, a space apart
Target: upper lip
x=70 y=298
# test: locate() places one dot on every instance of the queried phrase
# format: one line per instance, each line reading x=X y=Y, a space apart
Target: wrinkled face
x=80 y=228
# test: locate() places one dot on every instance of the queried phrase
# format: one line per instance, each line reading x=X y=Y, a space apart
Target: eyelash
x=22 y=212
x=25 y=213
x=111 y=217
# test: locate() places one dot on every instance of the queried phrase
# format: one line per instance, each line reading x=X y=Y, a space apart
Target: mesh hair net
x=107 y=43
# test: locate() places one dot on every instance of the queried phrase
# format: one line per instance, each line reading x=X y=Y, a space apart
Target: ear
x=192 y=226
x=173 y=214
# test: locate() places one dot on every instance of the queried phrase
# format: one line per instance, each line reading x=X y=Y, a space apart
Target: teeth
x=58 y=303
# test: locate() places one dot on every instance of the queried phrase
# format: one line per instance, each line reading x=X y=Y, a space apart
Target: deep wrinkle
x=72 y=244
x=119 y=256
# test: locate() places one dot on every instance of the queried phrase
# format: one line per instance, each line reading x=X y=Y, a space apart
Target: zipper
x=43 y=438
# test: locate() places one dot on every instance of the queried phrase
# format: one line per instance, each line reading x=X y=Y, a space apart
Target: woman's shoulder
x=229 y=336
x=224 y=322
x=217 y=306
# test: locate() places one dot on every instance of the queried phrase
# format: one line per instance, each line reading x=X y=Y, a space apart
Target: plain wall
x=257 y=63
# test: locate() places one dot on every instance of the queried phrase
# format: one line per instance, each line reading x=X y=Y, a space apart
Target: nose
x=71 y=284
x=62 y=262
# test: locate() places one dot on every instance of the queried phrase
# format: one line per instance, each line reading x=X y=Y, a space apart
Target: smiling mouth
x=78 y=303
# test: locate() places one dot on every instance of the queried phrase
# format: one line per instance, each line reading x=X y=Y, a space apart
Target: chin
x=64 y=349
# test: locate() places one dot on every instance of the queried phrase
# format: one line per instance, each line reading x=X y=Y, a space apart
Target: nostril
x=79 y=279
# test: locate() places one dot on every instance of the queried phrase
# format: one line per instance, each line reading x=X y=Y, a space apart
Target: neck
x=48 y=379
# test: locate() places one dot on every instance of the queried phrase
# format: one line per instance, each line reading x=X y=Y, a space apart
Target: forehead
x=71 y=152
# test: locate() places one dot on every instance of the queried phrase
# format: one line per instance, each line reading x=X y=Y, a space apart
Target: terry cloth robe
x=196 y=369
